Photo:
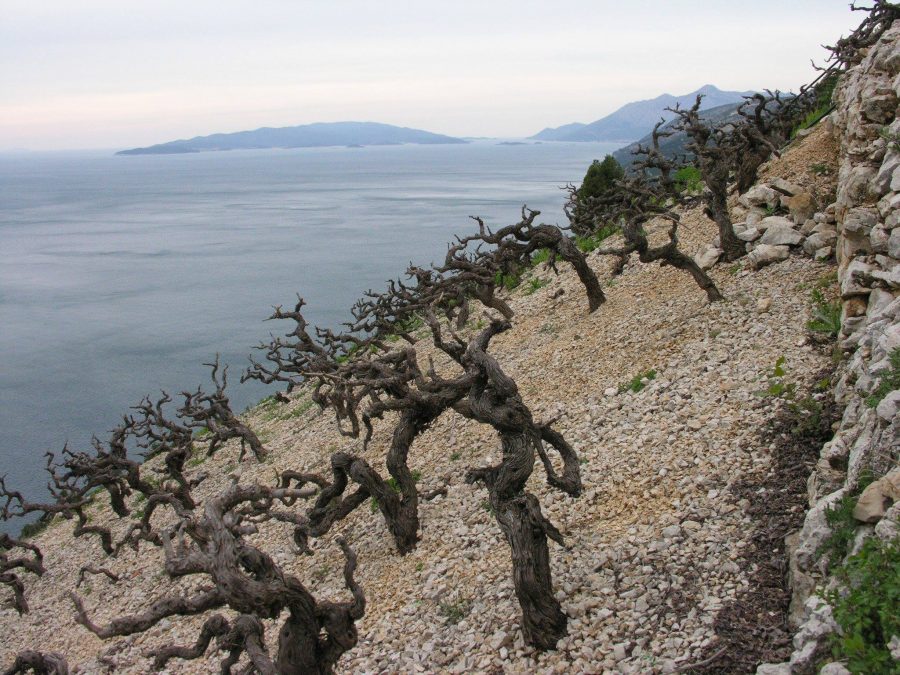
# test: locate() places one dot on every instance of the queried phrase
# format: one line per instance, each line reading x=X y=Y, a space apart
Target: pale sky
x=125 y=73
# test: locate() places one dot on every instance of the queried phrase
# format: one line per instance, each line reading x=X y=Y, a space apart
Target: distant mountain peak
x=318 y=134
x=633 y=120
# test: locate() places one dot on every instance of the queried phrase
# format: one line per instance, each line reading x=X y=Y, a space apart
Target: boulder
x=766 y=254
x=885 y=174
x=879 y=237
x=708 y=258
x=784 y=187
x=808 y=226
x=760 y=195
x=879 y=300
x=893 y=248
x=750 y=234
x=889 y=406
x=771 y=221
x=818 y=240
x=825 y=228
x=801 y=206
x=823 y=254
x=754 y=216
x=860 y=219
x=781 y=234
x=877 y=497
x=852 y=284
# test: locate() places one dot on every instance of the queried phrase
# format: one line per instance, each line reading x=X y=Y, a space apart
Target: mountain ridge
x=635 y=119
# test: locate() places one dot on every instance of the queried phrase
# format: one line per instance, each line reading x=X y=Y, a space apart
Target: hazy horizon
x=101 y=75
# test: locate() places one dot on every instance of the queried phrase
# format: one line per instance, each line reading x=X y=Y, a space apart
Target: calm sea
x=120 y=276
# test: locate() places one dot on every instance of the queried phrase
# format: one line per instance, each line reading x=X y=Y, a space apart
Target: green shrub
x=599 y=178
x=688 y=179
x=866 y=608
x=636 y=383
x=826 y=316
x=888 y=380
x=842 y=523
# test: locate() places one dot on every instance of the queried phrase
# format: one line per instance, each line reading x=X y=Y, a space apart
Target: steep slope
x=305 y=136
x=656 y=546
x=634 y=120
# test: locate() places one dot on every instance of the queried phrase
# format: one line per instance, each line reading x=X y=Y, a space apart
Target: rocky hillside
x=658 y=391
x=698 y=425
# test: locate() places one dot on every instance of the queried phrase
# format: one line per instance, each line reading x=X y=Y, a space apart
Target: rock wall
x=867 y=249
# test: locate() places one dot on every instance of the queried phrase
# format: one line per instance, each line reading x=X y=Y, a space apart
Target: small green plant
x=534 y=285
x=842 y=523
x=734 y=269
x=395 y=486
x=827 y=280
x=866 y=608
x=820 y=169
x=777 y=385
x=321 y=572
x=487 y=506
x=547 y=329
x=888 y=380
x=688 y=179
x=593 y=241
x=507 y=281
x=826 y=315
x=637 y=383
x=420 y=566
x=454 y=612
x=455 y=456
x=892 y=138
x=203 y=432
x=542 y=255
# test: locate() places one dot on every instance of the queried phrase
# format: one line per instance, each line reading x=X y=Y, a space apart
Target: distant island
x=634 y=120
x=322 y=134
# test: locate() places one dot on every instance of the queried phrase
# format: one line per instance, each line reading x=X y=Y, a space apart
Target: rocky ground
x=663 y=544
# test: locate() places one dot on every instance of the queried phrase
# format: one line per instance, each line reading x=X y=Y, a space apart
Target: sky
x=122 y=73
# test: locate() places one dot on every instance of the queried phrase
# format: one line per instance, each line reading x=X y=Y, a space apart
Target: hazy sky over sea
x=122 y=73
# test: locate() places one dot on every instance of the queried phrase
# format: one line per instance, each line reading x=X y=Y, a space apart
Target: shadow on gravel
x=754 y=629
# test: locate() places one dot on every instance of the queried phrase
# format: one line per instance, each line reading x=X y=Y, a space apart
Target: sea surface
x=120 y=276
